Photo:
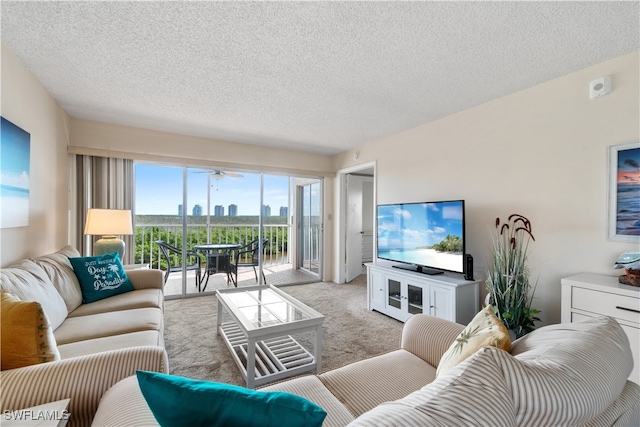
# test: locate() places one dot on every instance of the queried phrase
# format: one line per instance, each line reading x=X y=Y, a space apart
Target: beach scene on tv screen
x=428 y=234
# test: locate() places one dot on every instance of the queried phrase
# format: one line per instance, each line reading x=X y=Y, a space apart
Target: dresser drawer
x=618 y=306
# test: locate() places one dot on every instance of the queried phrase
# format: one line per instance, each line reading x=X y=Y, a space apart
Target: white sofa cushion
x=623 y=412
x=365 y=384
x=101 y=325
x=59 y=270
x=142 y=298
x=124 y=405
x=29 y=282
x=311 y=388
x=113 y=342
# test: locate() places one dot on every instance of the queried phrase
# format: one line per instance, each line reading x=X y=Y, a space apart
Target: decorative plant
x=510 y=291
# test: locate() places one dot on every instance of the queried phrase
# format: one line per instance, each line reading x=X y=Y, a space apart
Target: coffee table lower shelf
x=276 y=358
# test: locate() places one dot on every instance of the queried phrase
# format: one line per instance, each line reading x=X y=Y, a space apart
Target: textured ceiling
x=321 y=77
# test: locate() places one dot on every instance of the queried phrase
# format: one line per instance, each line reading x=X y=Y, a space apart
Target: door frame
x=298 y=225
x=341 y=262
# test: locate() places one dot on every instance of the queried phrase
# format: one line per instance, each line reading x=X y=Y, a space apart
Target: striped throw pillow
x=472 y=393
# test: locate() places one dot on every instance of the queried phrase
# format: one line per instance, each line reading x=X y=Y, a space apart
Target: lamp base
x=109 y=245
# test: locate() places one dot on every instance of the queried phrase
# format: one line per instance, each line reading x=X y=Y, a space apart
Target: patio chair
x=250 y=252
x=193 y=261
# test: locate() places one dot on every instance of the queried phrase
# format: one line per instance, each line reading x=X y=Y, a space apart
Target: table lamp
x=108 y=223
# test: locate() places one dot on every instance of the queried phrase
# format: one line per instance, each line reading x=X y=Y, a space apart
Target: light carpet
x=350 y=331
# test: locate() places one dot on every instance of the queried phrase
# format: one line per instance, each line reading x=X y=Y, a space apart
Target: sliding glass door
x=197 y=224
x=158 y=223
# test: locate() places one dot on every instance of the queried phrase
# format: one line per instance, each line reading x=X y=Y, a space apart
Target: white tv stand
x=401 y=294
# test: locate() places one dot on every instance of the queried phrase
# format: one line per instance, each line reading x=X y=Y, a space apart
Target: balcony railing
x=146 y=251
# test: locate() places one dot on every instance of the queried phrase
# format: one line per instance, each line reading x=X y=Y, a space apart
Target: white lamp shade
x=108 y=222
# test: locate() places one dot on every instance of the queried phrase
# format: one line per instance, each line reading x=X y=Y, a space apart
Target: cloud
x=388 y=226
x=19 y=181
x=632 y=163
x=403 y=213
x=452 y=212
x=411 y=233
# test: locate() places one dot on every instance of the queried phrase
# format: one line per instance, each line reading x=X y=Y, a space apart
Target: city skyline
x=218 y=210
x=159 y=191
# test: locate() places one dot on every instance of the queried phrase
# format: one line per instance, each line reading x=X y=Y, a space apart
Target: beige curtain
x=103 y=183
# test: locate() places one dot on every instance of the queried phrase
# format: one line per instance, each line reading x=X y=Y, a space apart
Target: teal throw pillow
x=178 y=401
x=100 y=276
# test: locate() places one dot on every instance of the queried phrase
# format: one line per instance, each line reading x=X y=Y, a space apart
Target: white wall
x=27 y=104
x=541 y=152
x=100 y=138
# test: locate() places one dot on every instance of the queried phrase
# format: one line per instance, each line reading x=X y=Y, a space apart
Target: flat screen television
x=424 y=237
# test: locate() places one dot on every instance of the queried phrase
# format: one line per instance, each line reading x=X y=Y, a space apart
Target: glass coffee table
x=258 y=329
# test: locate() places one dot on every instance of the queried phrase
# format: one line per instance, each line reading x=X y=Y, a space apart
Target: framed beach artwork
x=624 y=192
x=15 y=148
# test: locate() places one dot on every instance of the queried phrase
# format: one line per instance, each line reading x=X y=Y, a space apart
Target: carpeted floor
x=350 y=331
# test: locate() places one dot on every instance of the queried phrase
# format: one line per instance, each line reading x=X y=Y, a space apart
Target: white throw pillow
x=60 y=271
x=29 y=282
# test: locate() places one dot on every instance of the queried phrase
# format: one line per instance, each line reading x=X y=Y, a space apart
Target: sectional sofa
x=558 y=375
x=567 y=374
x=95 y=345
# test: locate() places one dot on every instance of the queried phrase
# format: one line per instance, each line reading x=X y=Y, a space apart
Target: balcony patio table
x=217 y=255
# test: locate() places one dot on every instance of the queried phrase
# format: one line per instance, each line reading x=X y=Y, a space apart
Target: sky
x=159 y=191
x=15 y=148
x=14 y=156
x=629 y=166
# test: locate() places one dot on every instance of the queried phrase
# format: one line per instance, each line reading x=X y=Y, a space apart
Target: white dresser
x=588 y=295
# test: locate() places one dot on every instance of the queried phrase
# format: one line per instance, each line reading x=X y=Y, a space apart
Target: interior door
x=359 y=221
x=354 y=226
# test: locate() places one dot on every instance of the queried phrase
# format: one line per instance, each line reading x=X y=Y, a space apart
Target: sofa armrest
x=146 y=279
x=429 y=337
x=82 y=379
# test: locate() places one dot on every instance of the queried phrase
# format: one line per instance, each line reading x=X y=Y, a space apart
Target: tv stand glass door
x=403 y=297
x=414 y=299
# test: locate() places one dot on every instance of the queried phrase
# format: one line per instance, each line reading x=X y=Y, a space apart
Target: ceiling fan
x=218 y=174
